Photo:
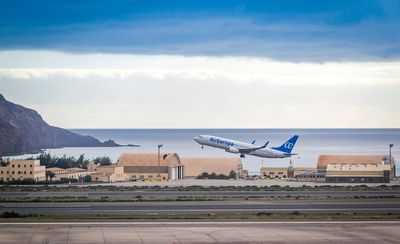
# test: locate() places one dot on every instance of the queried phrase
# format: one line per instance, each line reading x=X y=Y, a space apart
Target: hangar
x=142 y=166
x=357 y=168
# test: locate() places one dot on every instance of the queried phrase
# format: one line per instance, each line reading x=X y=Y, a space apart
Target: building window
x=24 y=165
x=13 y=172
x=19 y=166
x=24 y=172
x=30 y=172
x=13 y=165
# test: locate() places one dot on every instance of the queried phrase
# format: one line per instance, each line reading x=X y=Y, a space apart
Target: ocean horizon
x=311 y=143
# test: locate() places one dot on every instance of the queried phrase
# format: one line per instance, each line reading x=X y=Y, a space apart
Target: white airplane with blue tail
x=242 y=148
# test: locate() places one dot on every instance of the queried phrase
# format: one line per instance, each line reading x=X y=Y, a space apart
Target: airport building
x=283 y=172
x=274 y=172
x=70 y=173
x=357 y=173
x=148 y=166
x=339 y=169
x=111 y=173
x=357 y=168
x=195 y=166
x=310 y=176
x=23 y=169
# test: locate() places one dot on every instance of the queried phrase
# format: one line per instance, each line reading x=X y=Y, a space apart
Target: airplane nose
x=196 y=138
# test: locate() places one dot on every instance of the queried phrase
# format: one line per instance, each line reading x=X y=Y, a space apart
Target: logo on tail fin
x=287 y=147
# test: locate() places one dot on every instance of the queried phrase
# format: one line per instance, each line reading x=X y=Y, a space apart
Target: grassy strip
x=85 y=188
x=139 y=198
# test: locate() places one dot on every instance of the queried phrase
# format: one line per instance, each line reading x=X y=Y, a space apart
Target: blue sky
x=285 y=30
x=203 y=64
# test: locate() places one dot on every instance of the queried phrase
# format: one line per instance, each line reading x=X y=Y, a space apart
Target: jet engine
x=233 y=150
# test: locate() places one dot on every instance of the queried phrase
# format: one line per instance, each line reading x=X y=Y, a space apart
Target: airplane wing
x=249 y=150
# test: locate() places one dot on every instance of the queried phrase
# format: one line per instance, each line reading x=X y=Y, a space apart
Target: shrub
x=213 y=176
x=87 y=178
x=263 y=214
x=295 y=213
x=11 y=214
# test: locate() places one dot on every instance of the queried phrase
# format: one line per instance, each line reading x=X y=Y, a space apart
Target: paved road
x=206 y=232
x=202 y=193
x=122 y=208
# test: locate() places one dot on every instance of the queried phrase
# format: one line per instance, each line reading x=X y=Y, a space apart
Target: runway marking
x=204 y=223
x=228 y=210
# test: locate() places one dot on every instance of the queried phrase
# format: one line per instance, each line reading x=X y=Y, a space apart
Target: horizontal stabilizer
x=249 y=150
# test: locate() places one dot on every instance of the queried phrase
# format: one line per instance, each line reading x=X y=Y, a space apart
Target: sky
x=203 y=64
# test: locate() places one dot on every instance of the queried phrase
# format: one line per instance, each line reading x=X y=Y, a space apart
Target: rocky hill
x=22 y=130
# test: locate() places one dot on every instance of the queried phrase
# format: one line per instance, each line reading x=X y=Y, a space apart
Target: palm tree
x=50 y=174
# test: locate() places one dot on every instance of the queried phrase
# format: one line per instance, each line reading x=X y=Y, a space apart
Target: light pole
x=390 y=154
x=158 y=160
x=390 y=160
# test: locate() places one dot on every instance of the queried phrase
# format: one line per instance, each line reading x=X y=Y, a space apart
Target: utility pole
x=158 y=160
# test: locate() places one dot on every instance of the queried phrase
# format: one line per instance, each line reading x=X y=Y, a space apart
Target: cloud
x=236 y=70
x=299 y=31
x=124 y=91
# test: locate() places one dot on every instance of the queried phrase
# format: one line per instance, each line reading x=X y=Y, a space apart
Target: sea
x=311 y=143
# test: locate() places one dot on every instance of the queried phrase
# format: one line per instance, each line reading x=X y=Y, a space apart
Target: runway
x=202 y=232
x=123 y=208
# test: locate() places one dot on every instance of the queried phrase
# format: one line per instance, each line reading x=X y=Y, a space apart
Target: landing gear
x=242 y=155
x=202 y=147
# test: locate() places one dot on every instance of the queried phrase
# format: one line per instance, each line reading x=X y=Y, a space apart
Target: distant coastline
x=23 y=130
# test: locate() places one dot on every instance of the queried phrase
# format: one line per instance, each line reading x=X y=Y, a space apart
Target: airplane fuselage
x=233 y=146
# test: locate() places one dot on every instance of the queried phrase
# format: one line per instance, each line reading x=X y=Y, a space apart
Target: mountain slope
x=23 y=130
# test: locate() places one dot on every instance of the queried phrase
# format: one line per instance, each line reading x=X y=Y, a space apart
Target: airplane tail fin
x=288 y=146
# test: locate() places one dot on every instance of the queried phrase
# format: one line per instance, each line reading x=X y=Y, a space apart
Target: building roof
x=76 y=169
x=55 y=169
x=219 y=165
x=304 y=168
x=273 y=168
x=149 y=159
x=357 y=167
x=324 y=160
x=101 y=174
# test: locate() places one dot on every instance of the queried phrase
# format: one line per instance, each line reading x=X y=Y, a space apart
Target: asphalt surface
x=202 y=193
x=126 y=208
x=204 y=232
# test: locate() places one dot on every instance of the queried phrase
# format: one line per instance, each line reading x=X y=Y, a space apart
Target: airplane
x=231 y=146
